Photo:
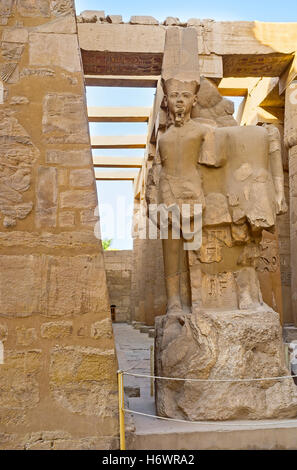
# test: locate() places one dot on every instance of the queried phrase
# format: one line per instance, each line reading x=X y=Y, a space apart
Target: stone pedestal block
x=218 y=345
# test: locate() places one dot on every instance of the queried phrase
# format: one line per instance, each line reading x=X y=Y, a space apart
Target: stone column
x=58 y=383
x=291 y=143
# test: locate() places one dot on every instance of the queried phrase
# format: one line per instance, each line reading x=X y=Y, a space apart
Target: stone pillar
x=291 y=143
x=58 y=382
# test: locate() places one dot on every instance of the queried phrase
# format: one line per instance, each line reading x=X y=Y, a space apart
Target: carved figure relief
x=17 y=157
x=61 y=7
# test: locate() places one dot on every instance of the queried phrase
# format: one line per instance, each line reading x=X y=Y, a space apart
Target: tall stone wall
x=283 y=228
x=148 y=284
x=118 y=266
x=58 y=382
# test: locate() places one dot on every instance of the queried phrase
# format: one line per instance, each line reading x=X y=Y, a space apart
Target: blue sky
x=220 y=10
x=115 y=197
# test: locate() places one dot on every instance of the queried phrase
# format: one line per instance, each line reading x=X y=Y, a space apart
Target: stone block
x=3 y=332
x=17 y=100
x=144 y=329
x=171 y=21
x=87 y=443
x=216 y=345
x=19 y=274
x=82 y=178
x=92 y=16
x=20 y=373
x=132 y=391
x=62 y=7
x=64 y=119
x=52 y=285
x=101 y=329
x=6 y=8
x=25 y=336
x=151 y=333
x=115 y=19
x=83 y=380
x=88 y=217
x=27 y=8
x=138 y=325
x=61 y=51
x=56 y=330
x=64 y=24
x=15 y=35
x=143 y=20
x=66 y=219
x=69 y=158
x=75 y=285
x=63 y=177
x=46 y=197
x=78 y=199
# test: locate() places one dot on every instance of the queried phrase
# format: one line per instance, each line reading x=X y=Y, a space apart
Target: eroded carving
x=64 y=119
x=27 y=72
x=61 y=7
x=16 y=100
x=236 y=174
x=6 y=8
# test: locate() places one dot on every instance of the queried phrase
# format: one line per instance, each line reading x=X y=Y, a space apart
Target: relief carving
x=7 y=70
x=17 y=157
x=223 y=328
x=6 y=8
x=269 y=256
x=12 y=50
x=26 y=72
x=61 y=7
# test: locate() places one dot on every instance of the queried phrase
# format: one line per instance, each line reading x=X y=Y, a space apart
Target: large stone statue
x=180 y=181
x=236 y=174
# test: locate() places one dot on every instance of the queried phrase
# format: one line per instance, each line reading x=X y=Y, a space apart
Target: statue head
x=180 y=97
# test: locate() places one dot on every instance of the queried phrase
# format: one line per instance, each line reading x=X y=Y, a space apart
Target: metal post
x=121 y=410
x=152 y=369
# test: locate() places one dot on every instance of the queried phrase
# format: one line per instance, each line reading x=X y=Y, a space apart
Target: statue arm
x=276 y=164
x=211 y=151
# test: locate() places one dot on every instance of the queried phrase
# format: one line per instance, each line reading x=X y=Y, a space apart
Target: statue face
x=180 y=97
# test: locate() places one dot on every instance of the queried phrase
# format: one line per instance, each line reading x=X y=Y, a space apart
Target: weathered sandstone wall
x=118 y=266
x=58 y=381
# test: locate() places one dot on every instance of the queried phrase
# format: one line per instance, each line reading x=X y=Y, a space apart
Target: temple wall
x=283 y=227
x=58 y=386
x=148 y=284
x=118 y=266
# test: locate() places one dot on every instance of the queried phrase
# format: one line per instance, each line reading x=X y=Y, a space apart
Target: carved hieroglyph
x=64 y=120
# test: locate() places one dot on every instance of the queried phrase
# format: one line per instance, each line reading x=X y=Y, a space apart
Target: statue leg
x=171 y=254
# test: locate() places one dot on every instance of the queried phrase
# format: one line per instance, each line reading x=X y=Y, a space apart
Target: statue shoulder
x=164 y=137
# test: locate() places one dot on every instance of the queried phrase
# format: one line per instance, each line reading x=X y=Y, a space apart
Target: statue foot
x=246 y=302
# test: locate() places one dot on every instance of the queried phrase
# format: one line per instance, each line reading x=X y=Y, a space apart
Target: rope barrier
x=123 y=410
x=210 y=380
x=209 y=423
